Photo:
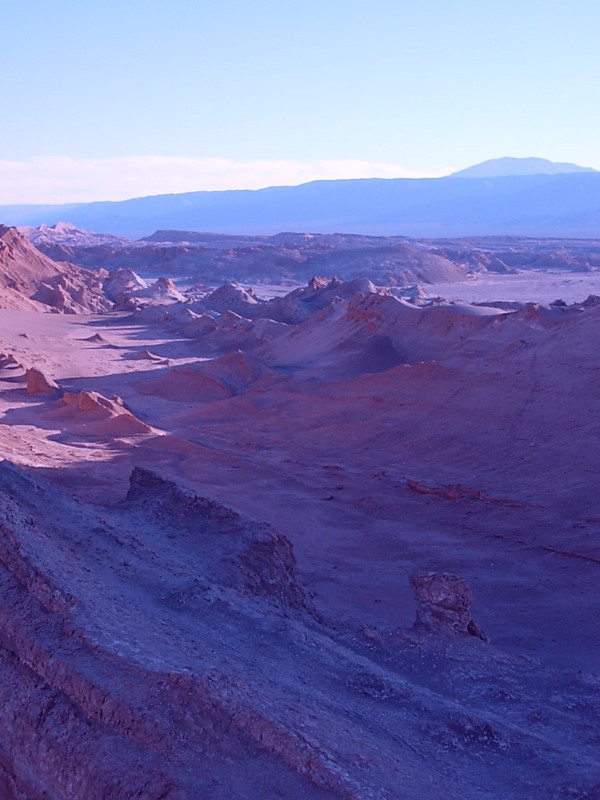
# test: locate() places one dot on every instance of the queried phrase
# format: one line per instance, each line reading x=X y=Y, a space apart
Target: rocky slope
x=29 y=279
x=162 y=647
x=212 y=259
x=336 y=544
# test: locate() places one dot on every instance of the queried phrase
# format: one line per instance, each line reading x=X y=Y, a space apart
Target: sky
x=125 y=98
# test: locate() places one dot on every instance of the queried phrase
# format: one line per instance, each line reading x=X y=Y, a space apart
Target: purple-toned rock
x=38 y=383
x=233 y=550
x=444 y=604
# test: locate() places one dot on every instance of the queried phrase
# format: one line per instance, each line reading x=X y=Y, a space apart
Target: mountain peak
x=501 y=167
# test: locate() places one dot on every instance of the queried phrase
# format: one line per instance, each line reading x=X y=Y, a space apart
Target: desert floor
x=476 y=455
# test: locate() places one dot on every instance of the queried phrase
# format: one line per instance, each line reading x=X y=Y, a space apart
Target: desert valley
x=298 y=516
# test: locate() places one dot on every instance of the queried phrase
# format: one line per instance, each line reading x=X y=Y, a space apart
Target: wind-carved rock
x=38 y=383
x=444 y=604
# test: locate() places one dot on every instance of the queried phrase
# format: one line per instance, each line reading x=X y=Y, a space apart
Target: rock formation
x=199 y=565
x=237 y=552
x=444 y=604
x=162 y=647
x=90 y=414
x=38 y=383
x=31 y=280
x=8 y=360
x=386 y=260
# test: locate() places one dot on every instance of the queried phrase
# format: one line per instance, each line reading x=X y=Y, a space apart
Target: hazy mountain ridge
x=502 y=167
x=533 y=205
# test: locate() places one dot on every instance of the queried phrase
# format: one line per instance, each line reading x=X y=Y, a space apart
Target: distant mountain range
x=501 y=167
x=558 y=200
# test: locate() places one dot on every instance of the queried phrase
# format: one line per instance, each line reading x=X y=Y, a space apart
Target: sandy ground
x=524 y=287
x=476 y=456
x=328 y=463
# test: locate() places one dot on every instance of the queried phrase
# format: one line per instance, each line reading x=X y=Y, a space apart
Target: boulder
x=38 y=383
x=444 y=604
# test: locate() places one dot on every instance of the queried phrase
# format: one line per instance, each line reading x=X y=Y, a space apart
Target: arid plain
x=212 y=504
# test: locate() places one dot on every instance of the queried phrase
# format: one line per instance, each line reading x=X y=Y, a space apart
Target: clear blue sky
x=425 y=86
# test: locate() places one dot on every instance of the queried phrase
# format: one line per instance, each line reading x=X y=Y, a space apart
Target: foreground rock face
x=444 y=604
x=246 y=555
x=162 y=645
x=162 y=648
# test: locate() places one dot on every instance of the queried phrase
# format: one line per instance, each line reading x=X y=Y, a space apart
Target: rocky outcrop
x=164 y=288
x=146 y=355
x=31 y=280
x=162 y=293
x=66 y=234
x=93 y=401
x=232 y=297
x=77 y=293
x=444 y=604
x=150 y=648
x=249 y=556
x=90 y=414
x=38 y=383
x=123 y=281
